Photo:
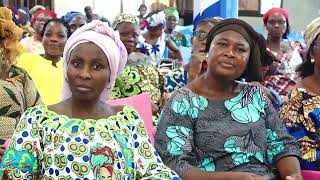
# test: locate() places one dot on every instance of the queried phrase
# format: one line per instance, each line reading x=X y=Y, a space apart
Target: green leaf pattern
x=179 y=139
x=184 y=107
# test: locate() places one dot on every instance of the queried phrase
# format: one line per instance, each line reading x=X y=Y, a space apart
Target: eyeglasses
x=200 y=35
x=273 y=22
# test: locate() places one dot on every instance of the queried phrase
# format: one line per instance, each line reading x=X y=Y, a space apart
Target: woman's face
x=156 y=31
x=76 y=23
x=276 y=25
x=199 y=39
x=228 y=55
x=54 y=38
x=88 y=72
x=40 y=21
x=129 y=34
x=171 y=22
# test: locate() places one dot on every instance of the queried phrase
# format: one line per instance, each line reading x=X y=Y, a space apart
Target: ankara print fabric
x=242 y=134
x=51 y=146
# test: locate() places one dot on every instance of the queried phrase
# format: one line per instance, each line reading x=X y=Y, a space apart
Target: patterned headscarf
x=16 y=18
x=10 y=34
x=71 y=15
x=311 y=32
x=43 y=11
x=157 y=19
x=125 y=18
x=171 y=11
x=108 y=40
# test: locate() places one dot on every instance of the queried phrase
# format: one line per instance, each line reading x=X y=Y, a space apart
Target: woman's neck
x=274 y=43
x=168 y=31
x=38 y=37
x=54 y=58
x=218 y=88
x=92 y=109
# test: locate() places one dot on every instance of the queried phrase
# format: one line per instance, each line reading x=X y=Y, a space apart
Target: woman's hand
x=294 y=177
x=197 y=65
x=2 y=151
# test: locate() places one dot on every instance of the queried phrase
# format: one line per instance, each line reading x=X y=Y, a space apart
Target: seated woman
x=17 y=92
x=138 y=75
x=82 y=137
x=46 y=69
x=217 y=127
x=280 y=74
x=75 y=20
x=154 y=41
x=179 y=77
x=34 y=44
x=300 y=111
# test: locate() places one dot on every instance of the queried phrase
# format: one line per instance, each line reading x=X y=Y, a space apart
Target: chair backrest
x=142 y=104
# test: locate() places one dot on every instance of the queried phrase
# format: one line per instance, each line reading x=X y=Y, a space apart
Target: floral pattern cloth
x=47 y=145
x=137 y=79
x=175 y=80
x=243 y=133
x=179 y=39
x=155 y=51
x=301 y=114
x=17 y=94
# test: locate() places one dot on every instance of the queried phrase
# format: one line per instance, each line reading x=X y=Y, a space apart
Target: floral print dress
x=47 y=145
x=301 y=114
x=242 y=134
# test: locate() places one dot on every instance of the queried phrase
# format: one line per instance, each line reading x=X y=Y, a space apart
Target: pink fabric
x=310 y=175
x=108 y=40
x=142 y=104
x=6 y=144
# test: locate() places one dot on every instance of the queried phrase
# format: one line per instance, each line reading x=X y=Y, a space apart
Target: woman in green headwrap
x=172 y=18
x=139 y=75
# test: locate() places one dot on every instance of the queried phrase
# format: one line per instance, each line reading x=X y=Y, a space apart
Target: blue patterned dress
x=47 y=145
x=241 y=134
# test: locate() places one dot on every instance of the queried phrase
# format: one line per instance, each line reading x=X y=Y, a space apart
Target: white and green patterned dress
x=47 y=145
x=242 y=134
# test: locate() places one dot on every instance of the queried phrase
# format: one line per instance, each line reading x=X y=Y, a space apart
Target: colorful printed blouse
x=179 y=39
x=242 y=134
x=47 y=145
x=281 y=76
x=47 y=78
x=17 y=94
x=137 y=79
x=175 y=80
x=301 y=113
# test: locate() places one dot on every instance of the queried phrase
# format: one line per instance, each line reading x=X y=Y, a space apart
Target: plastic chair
x=142 y=104
x=310 y=175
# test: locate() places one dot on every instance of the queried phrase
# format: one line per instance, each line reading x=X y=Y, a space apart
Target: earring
x=312 y=60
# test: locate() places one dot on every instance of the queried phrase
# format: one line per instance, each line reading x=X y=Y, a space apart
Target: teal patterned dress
x=241 y=134
x=47 y=145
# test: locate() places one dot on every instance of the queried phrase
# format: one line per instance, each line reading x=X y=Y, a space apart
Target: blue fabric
x=70 y=15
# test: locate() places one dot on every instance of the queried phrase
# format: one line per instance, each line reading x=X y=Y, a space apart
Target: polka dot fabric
x=47 y=145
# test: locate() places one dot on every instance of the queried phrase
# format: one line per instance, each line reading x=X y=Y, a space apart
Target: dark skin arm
x=289 y=168
x=170 y=44
x=197 y=174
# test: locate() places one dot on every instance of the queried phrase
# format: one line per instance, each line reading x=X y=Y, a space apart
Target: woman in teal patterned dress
x=82 y=137
x=179 y=77
x=219 y=128
x=139 y=75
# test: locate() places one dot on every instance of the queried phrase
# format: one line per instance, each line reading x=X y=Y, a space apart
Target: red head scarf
x=273 y=11
x=43 y=11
